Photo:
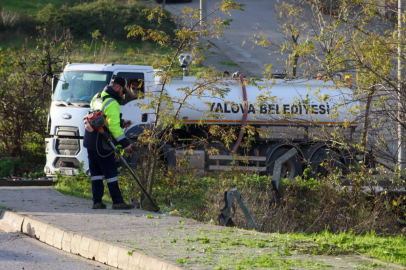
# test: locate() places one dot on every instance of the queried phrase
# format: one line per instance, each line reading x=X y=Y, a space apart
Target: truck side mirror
x=55 y=80
x=65 y=86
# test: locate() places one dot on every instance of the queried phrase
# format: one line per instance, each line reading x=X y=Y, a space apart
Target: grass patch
x=7 y=40
x=386 y=248
x=118 y=52
x=228 y=63
x=33 y=6
x=72 y=189
x=79 y=186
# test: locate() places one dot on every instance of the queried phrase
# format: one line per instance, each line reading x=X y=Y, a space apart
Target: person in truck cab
x=134 y=91
x=101 y=156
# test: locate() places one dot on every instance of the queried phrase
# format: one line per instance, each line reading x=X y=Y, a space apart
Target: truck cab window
x=136 y=88
x=80 y=86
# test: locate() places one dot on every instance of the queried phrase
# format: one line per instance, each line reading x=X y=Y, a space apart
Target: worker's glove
x=125 y=123
x=129 y=148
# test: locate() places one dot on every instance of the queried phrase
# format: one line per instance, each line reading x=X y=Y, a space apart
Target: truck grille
x=67 y=147
x=67 y=131
x=63 y=162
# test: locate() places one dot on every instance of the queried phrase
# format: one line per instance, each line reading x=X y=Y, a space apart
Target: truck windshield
x=80 y=86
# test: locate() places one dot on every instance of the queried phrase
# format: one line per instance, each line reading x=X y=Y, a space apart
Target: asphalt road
x=258 y=17
x=20 y=252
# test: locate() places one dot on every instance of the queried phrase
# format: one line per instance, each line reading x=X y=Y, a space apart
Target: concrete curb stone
x=112 y=256
x=14 y=221
x=145 y=262
x=103 y=252
x=75 y=244
x=49 y=235
x=58 y=236
x=156 y=264
x=67 y=241
x=85 y=246
x=41 y=231
x=93 y=249
x=134 y=261
x=34 y=228
x=29 y=226
x=123 y=258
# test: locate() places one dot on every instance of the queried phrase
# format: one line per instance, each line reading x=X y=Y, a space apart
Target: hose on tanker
x=244 y=117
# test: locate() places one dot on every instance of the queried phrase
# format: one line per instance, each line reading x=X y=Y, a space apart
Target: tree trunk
x=364 y=133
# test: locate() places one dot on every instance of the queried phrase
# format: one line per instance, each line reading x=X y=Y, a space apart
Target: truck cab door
x=133 y=105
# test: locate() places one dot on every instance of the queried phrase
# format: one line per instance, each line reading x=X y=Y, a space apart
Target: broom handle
x=131 y=171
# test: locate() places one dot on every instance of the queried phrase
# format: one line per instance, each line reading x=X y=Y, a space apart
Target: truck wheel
x=290 y=168
x=323 y=162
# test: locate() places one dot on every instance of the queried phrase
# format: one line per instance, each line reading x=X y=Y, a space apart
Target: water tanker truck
x=287 y=114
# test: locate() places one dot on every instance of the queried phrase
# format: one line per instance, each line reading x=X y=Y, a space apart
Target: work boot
x=122 y=206
x=97 y=190
x=115 y=193
x=99 y=205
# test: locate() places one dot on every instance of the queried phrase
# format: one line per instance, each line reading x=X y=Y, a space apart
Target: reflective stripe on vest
x=107 y=104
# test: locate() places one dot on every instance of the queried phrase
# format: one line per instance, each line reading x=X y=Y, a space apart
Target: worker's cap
x=121 y=81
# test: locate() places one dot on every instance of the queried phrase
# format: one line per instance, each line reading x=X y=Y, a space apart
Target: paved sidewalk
x=137 y=239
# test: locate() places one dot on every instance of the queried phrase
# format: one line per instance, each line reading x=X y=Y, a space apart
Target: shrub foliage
x=107 y=16
x=25 y=92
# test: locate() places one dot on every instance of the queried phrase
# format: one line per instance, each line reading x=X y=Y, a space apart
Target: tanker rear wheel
x=324 y=162
x=290 y=168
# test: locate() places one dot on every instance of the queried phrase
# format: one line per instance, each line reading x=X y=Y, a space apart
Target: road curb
x=26 y=183
x=81 y=245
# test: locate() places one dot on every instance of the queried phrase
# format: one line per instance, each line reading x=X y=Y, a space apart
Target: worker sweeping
x=101 y=154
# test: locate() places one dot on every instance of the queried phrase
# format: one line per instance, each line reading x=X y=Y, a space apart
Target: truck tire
x=290 y=169
x=323 y=162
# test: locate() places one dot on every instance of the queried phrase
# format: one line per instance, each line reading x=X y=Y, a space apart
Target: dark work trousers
x=103 y=167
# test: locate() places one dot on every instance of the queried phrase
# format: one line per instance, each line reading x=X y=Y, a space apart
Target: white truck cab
x=72 y=93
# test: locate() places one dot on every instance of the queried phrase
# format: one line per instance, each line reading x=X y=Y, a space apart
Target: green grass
x=70 y=191
x=132 y=54
x=388 y=249
x=79 y=189
x=228 y=63
x=143 y=53
x=33 y=6
x=7 y=40
x=121 y=52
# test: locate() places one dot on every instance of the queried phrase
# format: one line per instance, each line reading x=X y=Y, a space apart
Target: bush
x=107 y=16
x=19 y=167
x=307 y=205
x=25 y=92
x=14 y=22
x=6 y=167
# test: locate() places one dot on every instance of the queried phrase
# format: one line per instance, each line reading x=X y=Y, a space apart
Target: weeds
x=306 y=206
x=385 y=248
x=312 y=217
